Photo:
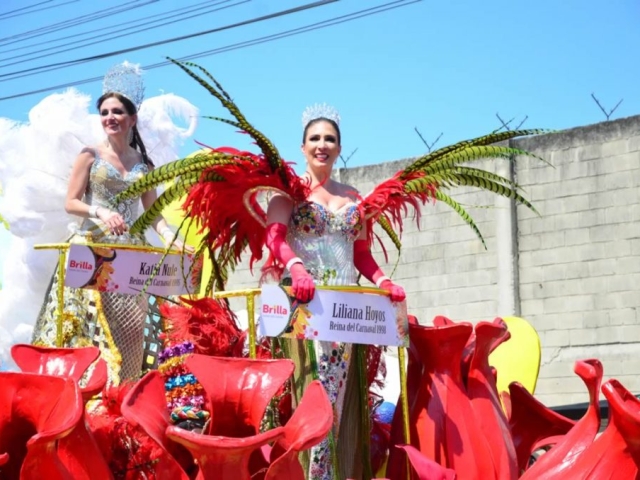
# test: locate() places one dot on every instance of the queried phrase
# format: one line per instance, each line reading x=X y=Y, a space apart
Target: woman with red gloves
x=324 y=241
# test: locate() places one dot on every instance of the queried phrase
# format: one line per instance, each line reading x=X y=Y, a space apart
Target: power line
x=38 y=32
x=119 y=25
x=16 y=14
x=248 y=43
x=39 y=10
x=297 y=31
x=25 y=8
x=134 y=31
x=56 y=66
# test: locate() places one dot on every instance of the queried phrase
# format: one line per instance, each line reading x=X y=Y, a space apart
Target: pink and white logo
x=275 y=311
x=80 y=266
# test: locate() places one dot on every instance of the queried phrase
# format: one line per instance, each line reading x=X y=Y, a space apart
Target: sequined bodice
x=105 y=181
x=323 y=239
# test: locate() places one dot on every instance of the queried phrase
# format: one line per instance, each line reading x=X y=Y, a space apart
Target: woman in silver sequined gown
x=321 y=233
x=115 y=323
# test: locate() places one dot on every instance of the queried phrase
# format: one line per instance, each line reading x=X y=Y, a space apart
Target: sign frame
x=129 y=271
x=340 y=314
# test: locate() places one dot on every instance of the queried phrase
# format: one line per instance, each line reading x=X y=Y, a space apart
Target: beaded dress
x=115 y=323
x=323 y=239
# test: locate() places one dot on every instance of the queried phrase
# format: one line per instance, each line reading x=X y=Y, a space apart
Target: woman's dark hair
x=136 y=140
x=317 y=120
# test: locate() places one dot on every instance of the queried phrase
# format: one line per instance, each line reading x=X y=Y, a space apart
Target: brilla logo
x=274 y=310
x=80 y=265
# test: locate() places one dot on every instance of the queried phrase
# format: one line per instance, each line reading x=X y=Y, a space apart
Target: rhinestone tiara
x=320 y=110
x=125 y=79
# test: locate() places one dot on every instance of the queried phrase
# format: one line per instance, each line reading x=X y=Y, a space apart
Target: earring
x=130 y=136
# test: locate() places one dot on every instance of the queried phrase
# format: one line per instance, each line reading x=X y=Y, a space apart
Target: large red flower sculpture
x=237 y=393
x=78 y=451
x=308 y=426
x=457 y=420
x=457 y=424
x=145 y=406
x=63 y=362
x=36 y=413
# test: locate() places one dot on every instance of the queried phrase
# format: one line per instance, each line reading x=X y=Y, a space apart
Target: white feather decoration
x=35 y=164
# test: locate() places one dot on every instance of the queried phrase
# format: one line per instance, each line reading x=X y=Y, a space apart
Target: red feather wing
x=391 y=200
x=224 y=202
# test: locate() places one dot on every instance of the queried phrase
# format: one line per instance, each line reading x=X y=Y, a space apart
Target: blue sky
x=444 y=67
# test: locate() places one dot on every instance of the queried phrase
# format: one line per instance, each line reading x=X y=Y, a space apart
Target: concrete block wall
x=577 y=264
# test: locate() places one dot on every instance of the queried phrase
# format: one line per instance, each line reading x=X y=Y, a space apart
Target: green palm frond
x=500 y=136
x=214 y=282
x=388 y=229
x=478 y=172
x=447 y=178
x=173 y=192
x=423 y=184
x=494 y=137
x=472 y=154
x=173 y=170
x=268 y=149
x=444 y=169
x=492 y=186
x=394 y=237
x=224 y=120
x=443 y=197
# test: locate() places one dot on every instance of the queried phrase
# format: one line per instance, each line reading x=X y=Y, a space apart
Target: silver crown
x=125 y=79
x=320 y=110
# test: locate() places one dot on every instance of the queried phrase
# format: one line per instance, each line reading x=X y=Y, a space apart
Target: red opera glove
x=367 y=266
x=396 y=292
x=303 y=287
x=276 y=242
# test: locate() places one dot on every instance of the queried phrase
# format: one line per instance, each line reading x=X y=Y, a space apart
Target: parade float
x=218 y=403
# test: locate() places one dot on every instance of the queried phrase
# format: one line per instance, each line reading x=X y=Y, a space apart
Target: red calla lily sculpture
x=458 y=427
x=36 y=413
x=78 y=450
x=145 y=406
x=237 y=393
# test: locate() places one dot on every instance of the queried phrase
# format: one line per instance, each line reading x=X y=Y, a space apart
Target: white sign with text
x=109 y=269
x=334 y=315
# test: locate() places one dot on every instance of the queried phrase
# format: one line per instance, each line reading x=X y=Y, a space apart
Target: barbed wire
x=610 y=112
x=427 y=144
x=506 y=124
